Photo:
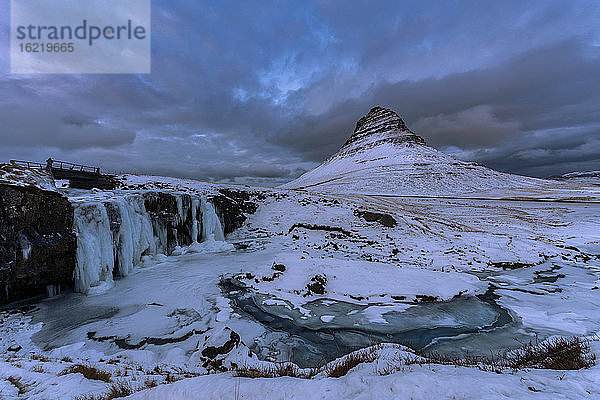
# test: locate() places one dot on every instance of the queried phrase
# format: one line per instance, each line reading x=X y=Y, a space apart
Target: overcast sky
x=260 y=91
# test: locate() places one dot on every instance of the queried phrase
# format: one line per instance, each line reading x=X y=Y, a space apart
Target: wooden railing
x=29 y=164
x=74 y=167
x=62 y=165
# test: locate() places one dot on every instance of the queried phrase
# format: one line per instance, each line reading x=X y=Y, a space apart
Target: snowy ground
x=430 y=268
x=18 y=175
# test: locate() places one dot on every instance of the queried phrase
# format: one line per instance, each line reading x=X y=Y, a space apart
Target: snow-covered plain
x=439 y=247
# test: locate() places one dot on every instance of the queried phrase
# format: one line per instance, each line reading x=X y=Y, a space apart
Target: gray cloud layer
x=261 y=92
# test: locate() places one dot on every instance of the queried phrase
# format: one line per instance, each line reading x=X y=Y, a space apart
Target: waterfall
x=135 y=234
x=114 y=234
x=195 y=222
x=95 y=258
x=211 y=225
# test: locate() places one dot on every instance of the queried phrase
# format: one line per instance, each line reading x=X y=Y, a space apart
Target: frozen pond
x=324 y=330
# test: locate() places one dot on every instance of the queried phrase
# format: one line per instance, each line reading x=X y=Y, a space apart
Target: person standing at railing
x=49 y=163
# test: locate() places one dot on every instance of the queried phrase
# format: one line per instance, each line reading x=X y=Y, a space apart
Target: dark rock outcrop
x=164 y=211
x=314 y=227
x=104 y=182
x=37 y=243
x=378 y=126
x=232 y=206
x=217 y=348
x=369 y=216
x=316 y=285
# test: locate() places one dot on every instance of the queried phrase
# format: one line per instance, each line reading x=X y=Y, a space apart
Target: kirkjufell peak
x=385 y=123
x=379 y=125
x=383 y=156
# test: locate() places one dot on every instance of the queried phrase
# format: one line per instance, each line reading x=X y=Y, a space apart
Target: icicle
x=195 y=205
x=25 y=246
x=53 y=289
x=211 y=225
x=135 y=233
x=95 y=257
x=180 y=215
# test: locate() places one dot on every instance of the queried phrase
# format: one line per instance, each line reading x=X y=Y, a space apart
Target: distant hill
x=581 y=177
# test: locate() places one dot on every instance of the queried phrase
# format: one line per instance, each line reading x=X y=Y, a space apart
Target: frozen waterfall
x=114 y=234
x=211 y=225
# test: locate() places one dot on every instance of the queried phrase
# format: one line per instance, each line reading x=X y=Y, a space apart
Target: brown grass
x=170 y=378
x=37 y=368
x=119 y=389
x=342 y=367
x=88 y=371
x=115 y=391
x=275 y=371
x=40 y=357
x=559 y=353
x=150 y=383
x=16 y=382
x=334 y=369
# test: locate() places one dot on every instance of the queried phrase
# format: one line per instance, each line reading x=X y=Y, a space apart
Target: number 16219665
x=46 y=47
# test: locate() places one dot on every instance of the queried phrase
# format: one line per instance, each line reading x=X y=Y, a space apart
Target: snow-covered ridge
x=118 y=233
x=584 y=177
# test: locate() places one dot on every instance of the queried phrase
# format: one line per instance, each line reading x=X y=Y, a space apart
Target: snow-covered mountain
x=383 y=156
x=583 y=177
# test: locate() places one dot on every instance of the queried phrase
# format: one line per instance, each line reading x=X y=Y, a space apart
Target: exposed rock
x=19 y=175
x=320 y=228
x=386 y=125
x=37 y=243
x=232 y=206
x=278 y=267
x=316 y=285
x=217 y=348
x=583 y=177
x=213 y=351
x=164 y=211
x=423 y=298
x=125 y=344
x=511 y=265
x=91 y=181
x=384 y=219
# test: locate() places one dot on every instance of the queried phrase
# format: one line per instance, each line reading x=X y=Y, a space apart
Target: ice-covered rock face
x=115 y=234
x=378 y=126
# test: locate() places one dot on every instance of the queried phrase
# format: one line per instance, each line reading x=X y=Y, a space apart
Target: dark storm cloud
x=261 y=92
x=46 y=116
x=554 y=87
